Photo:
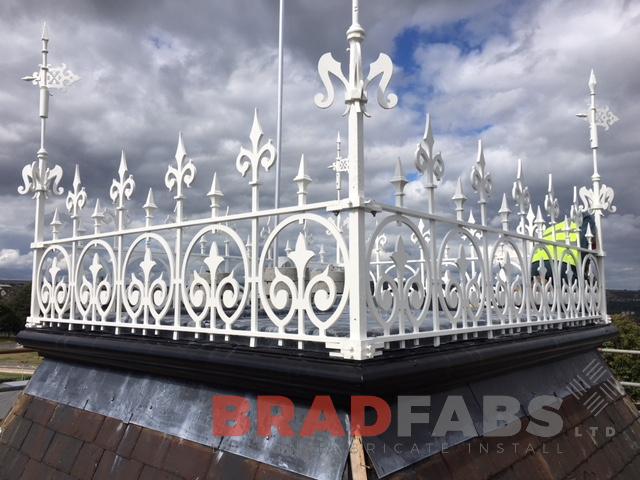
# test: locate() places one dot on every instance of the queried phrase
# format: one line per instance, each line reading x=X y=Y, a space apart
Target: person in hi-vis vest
x=568 y=261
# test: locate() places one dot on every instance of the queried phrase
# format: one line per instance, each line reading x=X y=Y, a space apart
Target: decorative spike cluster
x=77 y=198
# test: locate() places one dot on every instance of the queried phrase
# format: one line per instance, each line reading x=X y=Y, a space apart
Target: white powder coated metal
x=356 y=276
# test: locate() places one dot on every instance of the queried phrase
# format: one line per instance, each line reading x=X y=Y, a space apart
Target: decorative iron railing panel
x=349 y=276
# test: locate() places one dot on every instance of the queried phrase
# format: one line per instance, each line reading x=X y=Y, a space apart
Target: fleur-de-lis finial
x=183 y=173
x=122 y=187
x=77 y=198
x=262 y=154
x=521 y=196
x=575 y=213
x=430 y=165
x=551 y=204
x=480 y=177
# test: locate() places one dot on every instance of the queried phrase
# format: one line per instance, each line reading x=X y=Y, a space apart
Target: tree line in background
x=14 y=308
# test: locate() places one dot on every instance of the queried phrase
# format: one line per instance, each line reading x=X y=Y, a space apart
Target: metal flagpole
x=278 y=127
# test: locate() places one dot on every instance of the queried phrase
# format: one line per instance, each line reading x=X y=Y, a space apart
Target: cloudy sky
x=512 y=73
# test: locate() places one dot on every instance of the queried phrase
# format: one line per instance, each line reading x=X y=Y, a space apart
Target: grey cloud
x=151 y=70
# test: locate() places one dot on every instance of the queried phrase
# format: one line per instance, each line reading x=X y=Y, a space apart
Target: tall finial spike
x=428 y=134
x=76 y=178
x=45 y=31
x=181 y=152
x=356 y=12
x=592 y=82
x=123 y=168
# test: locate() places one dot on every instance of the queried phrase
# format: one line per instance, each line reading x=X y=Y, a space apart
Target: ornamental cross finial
x=77 y=198
x=57 y=77
x=122 y=187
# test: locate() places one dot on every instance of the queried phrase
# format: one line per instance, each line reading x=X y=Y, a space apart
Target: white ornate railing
x=351 y=276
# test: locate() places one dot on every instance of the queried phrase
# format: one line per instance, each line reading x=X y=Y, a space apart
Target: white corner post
x=279 y=124
x=599 y=198
x=356 y=85
x=358 y=272
x=42 y=155
x=38 y=178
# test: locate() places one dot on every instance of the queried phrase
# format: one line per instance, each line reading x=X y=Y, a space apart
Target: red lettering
x=359 y=404
x=230 y=416
x=267 y=419
x=322 y=417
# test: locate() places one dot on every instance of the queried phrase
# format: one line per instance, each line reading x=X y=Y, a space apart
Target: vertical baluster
x=261 y=155
x=482 y=184
x=121 y=189
x=76 y=200
x=552 y=208
x=431 y=165
x=176 y=178
x=149 y=208
x=215 y=196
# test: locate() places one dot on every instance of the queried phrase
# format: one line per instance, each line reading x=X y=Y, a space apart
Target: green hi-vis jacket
x=558 y=253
